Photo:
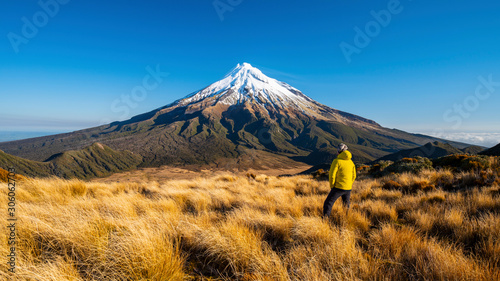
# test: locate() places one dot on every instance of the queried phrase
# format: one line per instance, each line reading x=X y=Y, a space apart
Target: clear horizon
x=418 y=66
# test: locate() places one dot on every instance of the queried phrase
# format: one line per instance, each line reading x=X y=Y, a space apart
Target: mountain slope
x=430 y=150
x=494 y=151
x=245 y=110
x=96 y=160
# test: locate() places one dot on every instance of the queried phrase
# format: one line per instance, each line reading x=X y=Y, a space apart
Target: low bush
x=410 y=165
x=405 y=165
x=377 y=169
x=463 y=162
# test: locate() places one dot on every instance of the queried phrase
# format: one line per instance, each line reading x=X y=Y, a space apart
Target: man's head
x=341 y=148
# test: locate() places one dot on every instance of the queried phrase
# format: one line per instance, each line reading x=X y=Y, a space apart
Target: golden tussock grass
x=257 y=227
x=6 y=177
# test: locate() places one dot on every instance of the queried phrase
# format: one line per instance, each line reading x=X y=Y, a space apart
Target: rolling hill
x=96 y=160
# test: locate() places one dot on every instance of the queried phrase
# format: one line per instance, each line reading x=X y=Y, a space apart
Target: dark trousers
x=334 y=194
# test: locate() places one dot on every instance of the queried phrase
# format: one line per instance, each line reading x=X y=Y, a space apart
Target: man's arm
x=354 y=173
x=333 y=172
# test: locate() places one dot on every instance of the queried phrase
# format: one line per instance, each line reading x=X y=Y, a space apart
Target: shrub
x=377 y=169
x=462 y=162
x=475 y=163
x=320 y=175
x=450 y=161
x=410 y=165
x=363 y=168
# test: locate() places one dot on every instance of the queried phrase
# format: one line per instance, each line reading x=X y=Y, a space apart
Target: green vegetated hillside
x=96 y=160
x=431 y=150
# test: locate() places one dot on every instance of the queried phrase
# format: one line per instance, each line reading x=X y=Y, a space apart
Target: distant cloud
x=43 y=124
x=483 y=139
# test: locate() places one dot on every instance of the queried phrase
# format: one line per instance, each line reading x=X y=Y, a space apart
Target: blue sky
x=417 y=69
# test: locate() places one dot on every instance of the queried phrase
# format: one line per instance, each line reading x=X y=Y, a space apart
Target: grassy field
x=436 y=225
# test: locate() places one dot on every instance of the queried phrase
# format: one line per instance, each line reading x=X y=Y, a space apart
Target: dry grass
x=231 y=227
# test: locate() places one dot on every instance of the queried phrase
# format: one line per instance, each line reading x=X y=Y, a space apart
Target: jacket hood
x=345 y=155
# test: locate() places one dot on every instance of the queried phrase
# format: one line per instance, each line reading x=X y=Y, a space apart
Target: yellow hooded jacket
x=342 y=171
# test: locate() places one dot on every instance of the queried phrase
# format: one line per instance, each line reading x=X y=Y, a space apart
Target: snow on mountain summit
x=247 y=83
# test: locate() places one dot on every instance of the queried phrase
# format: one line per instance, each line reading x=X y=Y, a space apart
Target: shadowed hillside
x=494 y=151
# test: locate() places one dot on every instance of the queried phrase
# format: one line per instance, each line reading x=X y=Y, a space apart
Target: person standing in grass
x=342 y=176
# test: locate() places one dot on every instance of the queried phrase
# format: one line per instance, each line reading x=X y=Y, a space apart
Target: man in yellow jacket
x=342 y=176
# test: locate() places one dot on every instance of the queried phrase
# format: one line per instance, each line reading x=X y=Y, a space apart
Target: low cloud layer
x=483 y=139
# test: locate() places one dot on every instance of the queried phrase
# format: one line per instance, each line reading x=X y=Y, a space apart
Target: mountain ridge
x=431 y=150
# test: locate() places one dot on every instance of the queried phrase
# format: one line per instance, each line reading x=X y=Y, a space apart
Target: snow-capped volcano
x=246 y=83
x=246 y=116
